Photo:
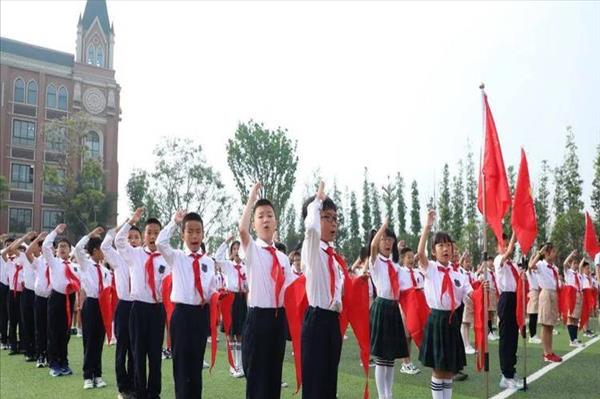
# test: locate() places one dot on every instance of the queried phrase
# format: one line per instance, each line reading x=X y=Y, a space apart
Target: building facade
x=38 y=85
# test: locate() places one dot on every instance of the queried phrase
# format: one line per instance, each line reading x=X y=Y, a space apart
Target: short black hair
x=549 y=247
x=92 y=244
x=153 y=221
x=9 y=240
x=281 y=247
x=62 y=239
x=441 y=238
x=232 y=244
x=388 y=233
x=263 y=202
x=328 y=204
x=404 y=251
x=192 y=216
x=135 y=228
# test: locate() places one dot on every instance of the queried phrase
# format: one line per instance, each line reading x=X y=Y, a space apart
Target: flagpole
x=524 y=305
x=486 y=367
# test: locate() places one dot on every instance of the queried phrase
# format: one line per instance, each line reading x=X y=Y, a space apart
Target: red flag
x=587 y=306
x=415 y=308
x=106 y=310
x=522 y=300
x=566 y=301
x=225 y=304
x=214 y=320
x=358 y=315
x=296 y=302
x=166 y=287
x=493 y=176
x=478 y=326
x=590 y=241
x=523 y=218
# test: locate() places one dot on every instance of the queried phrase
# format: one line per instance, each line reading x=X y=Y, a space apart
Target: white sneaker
x=88 y=384
x=555 y=332
x=575 y=344
x=493 y=337
x=209 y=340
x=232 y=371
x=469 y=350
x=99 y=382
x=510 y=383
x=407 y=369
x=284 y=384
x=205 y=365
x=238 y=374
x=535 y=340
x=414 y=368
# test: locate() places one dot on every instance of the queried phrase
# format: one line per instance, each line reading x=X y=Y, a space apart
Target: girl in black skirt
x=388 y=339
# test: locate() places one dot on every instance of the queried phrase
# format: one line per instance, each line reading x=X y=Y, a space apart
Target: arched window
x=19 y=94
x=32 y=93
x=91 y=54
x=62 y=98
x=92 y=142
x=100 y=56
x=51 y=96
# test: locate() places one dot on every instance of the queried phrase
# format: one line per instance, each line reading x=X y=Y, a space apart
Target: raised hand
x=430 y=218
x=321 y=191
x=179 y=215
x=137 y=215
x=42 y=235
x=97 y=231
x=61 y=228
x=253 y=196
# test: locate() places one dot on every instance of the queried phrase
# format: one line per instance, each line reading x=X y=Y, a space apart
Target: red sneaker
x=552 y=358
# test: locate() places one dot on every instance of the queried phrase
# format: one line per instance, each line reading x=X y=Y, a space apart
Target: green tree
x=567 y=233
x=257 y=154
x=595 y=199
x=571 y=178
x=3 y=192
x=443 y=205
x=290 y=238
x=511 y=174
x=559 y=199
x=471 y=229
x=138 y=193
x=542 y=204
x=389 y=196
x=401 y=205
x=342 y=228
x=354 y=241
x=375 y=205
x=457 y=203
x=367 y=223
x=415 y=214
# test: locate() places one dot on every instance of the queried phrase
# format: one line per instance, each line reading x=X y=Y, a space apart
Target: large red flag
x=590 y=241
x=523 y=218
x=492 y=176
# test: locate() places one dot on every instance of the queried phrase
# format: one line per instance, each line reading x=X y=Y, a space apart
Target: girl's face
x=408 y=259
x=385 y=246
x=296 y=262
x=235 y=248
x=467 y=263
x=551 y=257
x=586 y=270
x=574 y=265
x=443 y=252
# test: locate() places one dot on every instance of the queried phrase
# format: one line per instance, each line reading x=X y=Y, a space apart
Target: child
x=147 y=270
x=548 y=306
x=321 y=336
x=65 y=284
x=124 y=366
x=296 y=262
x=415 y=281
x=442 y=347
x=573 y=279
x=493 y=296
x=388 y=339
x=235 y=275
x=193 y=285
x=587 y=283
x=269 y=273
x=26 y=306
x=468 y=315
x=4 y=294
x=94 y=278
x=532 y=305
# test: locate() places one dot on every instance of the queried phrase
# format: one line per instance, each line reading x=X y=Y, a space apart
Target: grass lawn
x=576 y=378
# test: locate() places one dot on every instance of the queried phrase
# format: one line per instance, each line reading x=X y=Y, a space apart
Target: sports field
x=576 y=378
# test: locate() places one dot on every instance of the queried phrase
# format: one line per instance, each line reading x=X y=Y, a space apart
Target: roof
x=93 y=9
x=35 y=52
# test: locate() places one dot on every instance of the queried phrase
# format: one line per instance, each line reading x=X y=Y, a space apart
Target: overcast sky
x=392 y=86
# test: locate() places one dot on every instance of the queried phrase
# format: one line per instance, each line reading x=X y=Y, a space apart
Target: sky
x=388 y=85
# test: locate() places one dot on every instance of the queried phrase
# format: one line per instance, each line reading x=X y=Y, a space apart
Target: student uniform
x=27 y=310
x=507 y=277
x=534 y=300
x=3 y=302
x=468 y=313
x=321 y=336
x=15 y=272
x=124 y=367
x=264 y=332
x=193 y=285
x=548 y=299
x=42 y=288
x=147 y=318
x=574 y=279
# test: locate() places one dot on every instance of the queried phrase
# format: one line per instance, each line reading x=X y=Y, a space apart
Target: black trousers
x=3 y=314
x=14 y=319
x=147 y=332
x=58 y=330
x=93 y=338
x=321 y=350
x=263 y=352
x=189 y=330
x=509 y=333
x=40 y=309
x=533 y=318
x=124 y=354
x=27 y=323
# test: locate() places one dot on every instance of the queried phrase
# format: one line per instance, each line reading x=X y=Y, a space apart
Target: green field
x=576 y=378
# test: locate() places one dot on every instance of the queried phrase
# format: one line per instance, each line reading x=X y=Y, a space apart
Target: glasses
x=330 y=219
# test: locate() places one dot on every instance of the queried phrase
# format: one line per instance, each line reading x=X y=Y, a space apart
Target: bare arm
x=509 y=250
x=32 y=246
x=244 y=225
x=533 y=261
x=568 y=259
x=421 y=255
x=374 y=250
x=48 y=244
x=163 y=242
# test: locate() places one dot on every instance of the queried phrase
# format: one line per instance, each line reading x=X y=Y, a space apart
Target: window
x=54 y=180
x=32 y=93
x=19 y=95
x=51 y=96
x=91 y=54
x=92 y=142
x=51 y=219
x=100 y=56
x=19 y=220
x=23 y=133
x=21 y=176
x=56 y=140
x=62 y=98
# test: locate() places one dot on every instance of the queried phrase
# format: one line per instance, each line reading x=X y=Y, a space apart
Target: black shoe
x=460 y=376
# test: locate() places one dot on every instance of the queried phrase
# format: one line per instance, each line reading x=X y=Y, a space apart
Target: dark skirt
x=388 y=339
x=239 y=310
x=442 y=347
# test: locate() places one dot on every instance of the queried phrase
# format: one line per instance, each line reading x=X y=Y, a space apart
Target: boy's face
x=408 y=259
x=467 y=263
x=443 y=252
x=385 y=246
x=135 y=238
x=265 y=223
x=64 y=250
x=150 y=233
x=97 y=255
x=296 y=262
x=329 y=223
x=193 y=234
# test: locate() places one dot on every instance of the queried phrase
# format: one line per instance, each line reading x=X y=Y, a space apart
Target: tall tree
x=511 y=174
x=458 y=204
x=567 y=233
x=367 y=223
x=572 y=179
x=401 y=205
x=138 y=193
x=342 y=228
x=542 y=204
x=443 y=205
x=354 y=240
x=559 y=199
x=3 y=192
x=257 y=154
x=595 y=199
x=415 y=213
x=290 y=236
x=375 y=206
x=471 y=229
x=389 y=196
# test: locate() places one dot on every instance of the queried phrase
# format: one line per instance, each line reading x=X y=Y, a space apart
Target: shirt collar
x=263 y=244
x=188 y=252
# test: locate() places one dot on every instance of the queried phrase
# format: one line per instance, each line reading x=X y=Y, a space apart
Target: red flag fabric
x=225 y=304
x=523 y=217
x=587 y=307
x=167 y=286
x=415 y=308
x=214 y=320
x=358 y=315
x=296 y=302
x=493 y=176
x=567 y=300
x=105 y=301
x=479 y=326
x=590 y=240
x=522 y=300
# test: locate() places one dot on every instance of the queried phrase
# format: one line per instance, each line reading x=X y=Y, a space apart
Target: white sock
x=448 y=389
x=389 y=381
x=437 y=388
x=239 y=353
x=380 y=381
x=464 y=331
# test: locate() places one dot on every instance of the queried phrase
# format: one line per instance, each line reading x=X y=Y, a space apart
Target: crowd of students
x=133 y=284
